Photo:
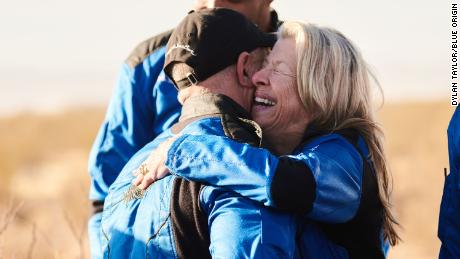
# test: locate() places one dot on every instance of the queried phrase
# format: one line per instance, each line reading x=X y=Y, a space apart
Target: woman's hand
x=153 y=168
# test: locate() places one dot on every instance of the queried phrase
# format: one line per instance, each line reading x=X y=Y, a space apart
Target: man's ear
x=242 y=67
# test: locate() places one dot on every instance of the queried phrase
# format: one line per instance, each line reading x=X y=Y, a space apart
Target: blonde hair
x=334 y=86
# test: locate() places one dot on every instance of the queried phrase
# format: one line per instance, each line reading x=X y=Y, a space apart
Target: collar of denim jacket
x=211 y=104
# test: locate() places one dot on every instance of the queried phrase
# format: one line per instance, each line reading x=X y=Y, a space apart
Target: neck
x=284 y=142
x=265 y=22
x=188 y=92
x=283 y=145
x=240 y=96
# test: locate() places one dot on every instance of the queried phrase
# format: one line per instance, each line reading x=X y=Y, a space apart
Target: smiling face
x=277 y=106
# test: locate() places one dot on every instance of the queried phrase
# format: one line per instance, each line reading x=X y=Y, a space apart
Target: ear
x=242 y=67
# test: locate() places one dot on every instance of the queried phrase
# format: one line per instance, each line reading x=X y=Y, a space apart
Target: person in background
x=143 y=105
x=449 y=216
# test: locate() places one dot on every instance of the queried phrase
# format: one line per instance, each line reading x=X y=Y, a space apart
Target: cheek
x=287 y=96
x=290 y=106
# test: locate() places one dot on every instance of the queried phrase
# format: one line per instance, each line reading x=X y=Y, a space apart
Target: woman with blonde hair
x=323 y=156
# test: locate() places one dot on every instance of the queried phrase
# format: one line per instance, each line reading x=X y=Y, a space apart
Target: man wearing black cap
x=210 y=57
x=144 y=104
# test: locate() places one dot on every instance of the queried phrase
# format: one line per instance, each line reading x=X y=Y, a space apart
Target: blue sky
x=56 y=53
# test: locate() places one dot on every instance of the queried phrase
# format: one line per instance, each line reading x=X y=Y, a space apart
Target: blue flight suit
x=143 y=227
x=328 y=180
x=144 y=104
x=449 y=217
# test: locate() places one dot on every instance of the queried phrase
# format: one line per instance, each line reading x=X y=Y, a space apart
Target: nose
x=260 y=78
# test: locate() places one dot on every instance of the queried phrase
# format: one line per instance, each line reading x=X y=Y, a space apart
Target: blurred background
x=59 y=61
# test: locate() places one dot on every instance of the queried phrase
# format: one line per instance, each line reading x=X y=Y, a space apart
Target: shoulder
x=454 y=125
x=211 y=125
x=453 y=132
x=334 y=150
x=242 y=130
x=332 y=144
x=125 y=177
x=147 y=47
x=238 y=129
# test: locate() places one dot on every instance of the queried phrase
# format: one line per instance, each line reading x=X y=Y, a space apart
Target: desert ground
x=44 y=180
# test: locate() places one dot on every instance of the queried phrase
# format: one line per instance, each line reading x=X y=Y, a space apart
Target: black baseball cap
x=210 y=40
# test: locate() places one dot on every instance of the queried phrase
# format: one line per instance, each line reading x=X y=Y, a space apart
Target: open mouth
x=263 y=101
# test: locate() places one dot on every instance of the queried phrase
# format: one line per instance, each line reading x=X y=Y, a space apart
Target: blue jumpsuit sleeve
x=322 y=180
x=128 y=124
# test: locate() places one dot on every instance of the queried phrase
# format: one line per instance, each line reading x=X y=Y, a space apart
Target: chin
x=259 y=120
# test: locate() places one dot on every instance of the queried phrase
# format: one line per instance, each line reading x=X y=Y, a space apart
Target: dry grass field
x=44 y=180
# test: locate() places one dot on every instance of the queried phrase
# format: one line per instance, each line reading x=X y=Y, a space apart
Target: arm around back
x=321 y=180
